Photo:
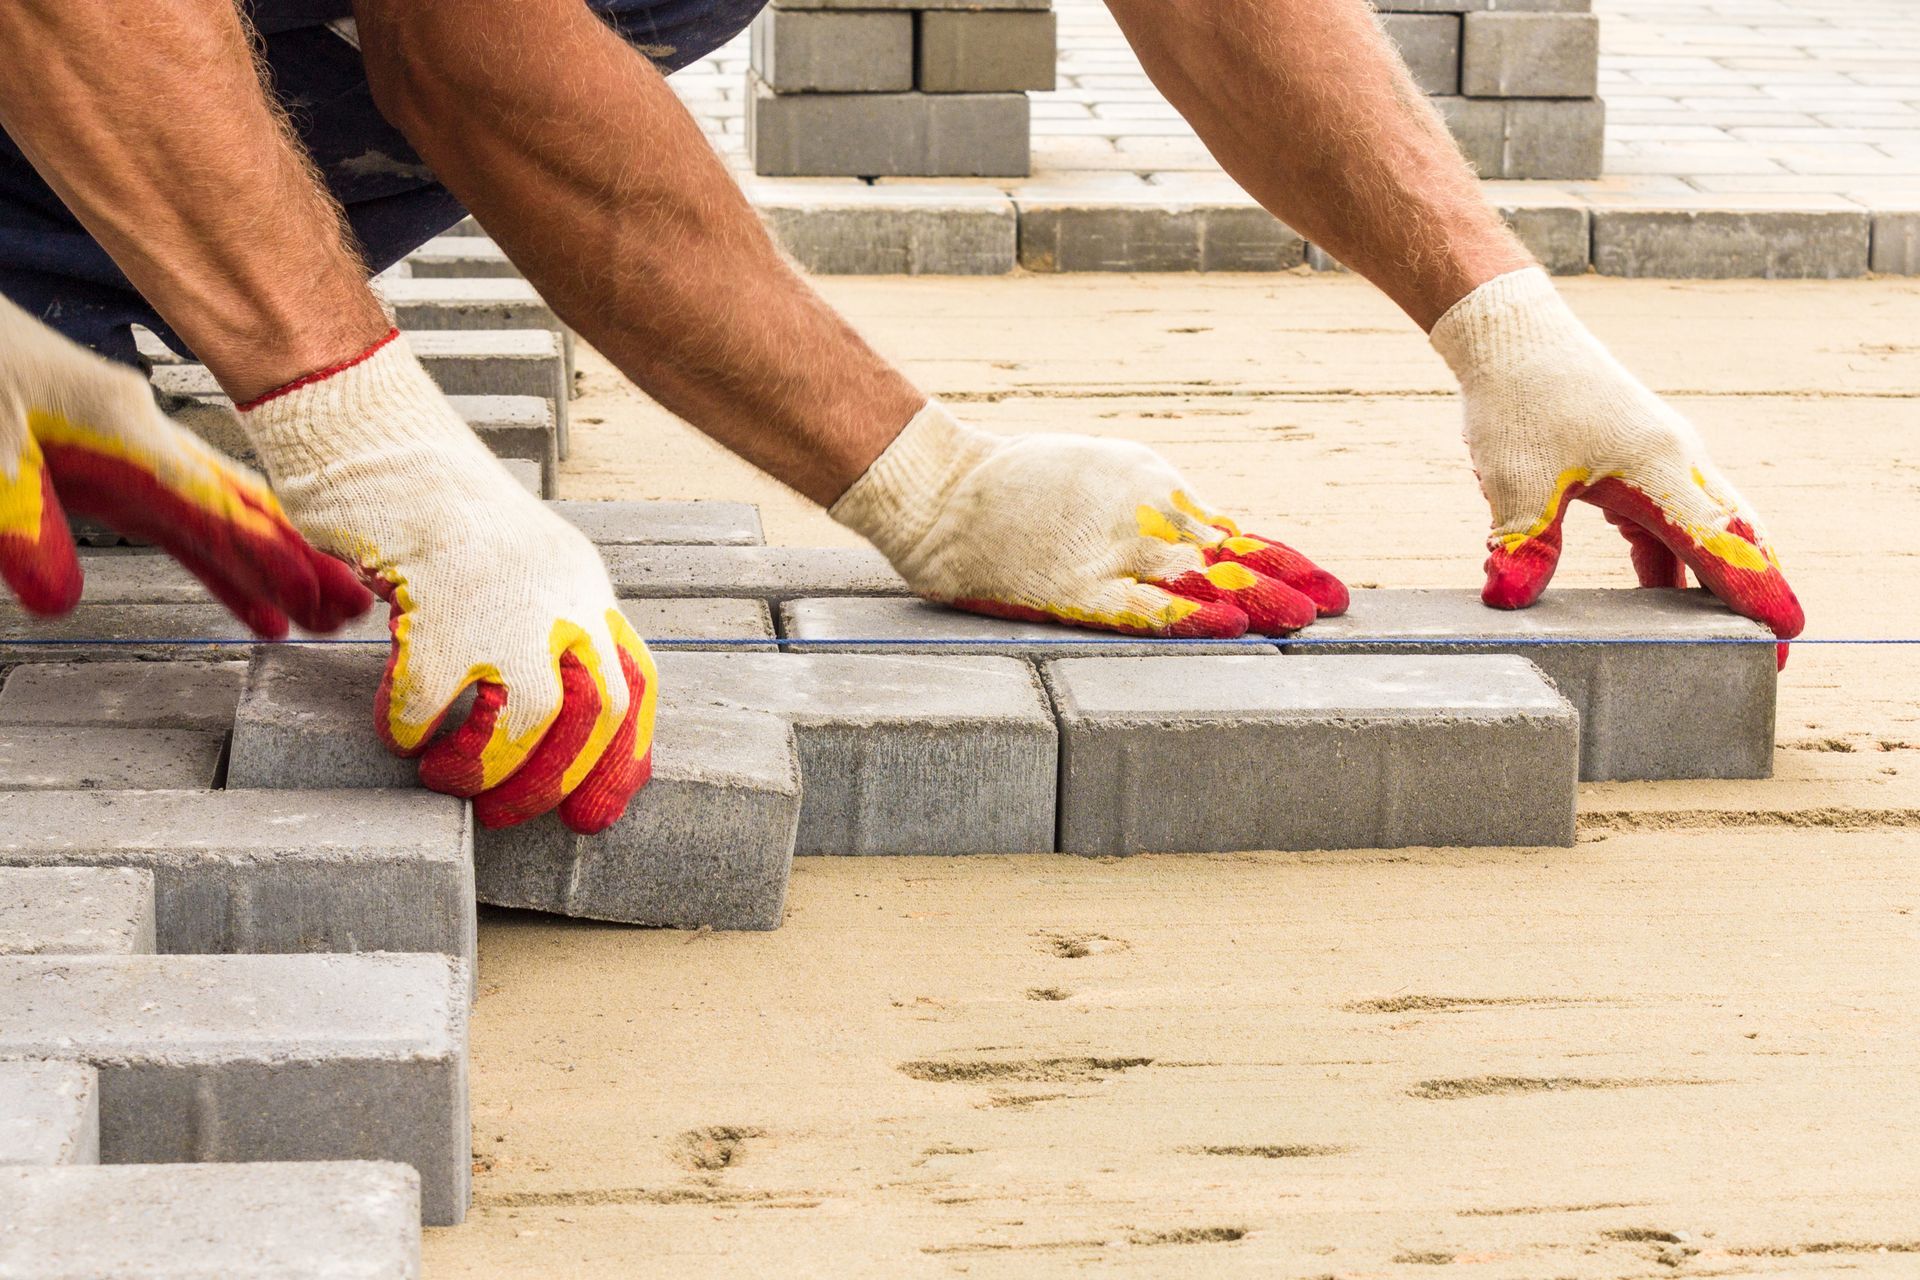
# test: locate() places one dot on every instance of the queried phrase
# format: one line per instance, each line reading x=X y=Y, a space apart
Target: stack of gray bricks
x=896 y=88
x=1516 y=80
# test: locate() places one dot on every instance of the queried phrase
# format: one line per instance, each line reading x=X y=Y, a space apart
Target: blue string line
x=1093 y=641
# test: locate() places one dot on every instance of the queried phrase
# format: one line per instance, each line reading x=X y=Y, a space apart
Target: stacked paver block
x=1515 y=80
x=333 y=1220
x=242 y=1058
x=1674 y=685
x=896 y=88
x=1228 y=753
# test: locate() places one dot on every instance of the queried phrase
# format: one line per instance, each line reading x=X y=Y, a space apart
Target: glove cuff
x=898 y=498
x=1504 y=323
x=381 y=403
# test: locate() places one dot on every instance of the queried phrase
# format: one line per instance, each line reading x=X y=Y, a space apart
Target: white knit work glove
x=1552 y=416
x=81 y=434
x=487 y=587
x=1089 y=532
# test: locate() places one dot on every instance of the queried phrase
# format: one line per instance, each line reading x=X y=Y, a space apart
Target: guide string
x=1091 y=640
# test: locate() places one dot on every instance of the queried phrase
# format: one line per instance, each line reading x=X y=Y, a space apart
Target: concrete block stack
x=896 y=88
x=1516 y=80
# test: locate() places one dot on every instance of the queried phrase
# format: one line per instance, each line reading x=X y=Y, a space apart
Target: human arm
x=1307 y=106
x=205 y=201
x=582 y=163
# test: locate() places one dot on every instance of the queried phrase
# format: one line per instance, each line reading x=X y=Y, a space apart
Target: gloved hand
x=1089 y=532
x=487 y=587
x=1552 y=416
x=81 y=434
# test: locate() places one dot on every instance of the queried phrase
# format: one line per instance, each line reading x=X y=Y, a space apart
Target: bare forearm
x=1306 y=104
x=151 y=124
x=576 y=156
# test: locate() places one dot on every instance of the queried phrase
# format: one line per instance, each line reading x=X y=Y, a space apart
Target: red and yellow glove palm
x=1092 y=533
x=82 y=435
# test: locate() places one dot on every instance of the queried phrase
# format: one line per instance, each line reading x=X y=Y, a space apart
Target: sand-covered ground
x=1688 y=1046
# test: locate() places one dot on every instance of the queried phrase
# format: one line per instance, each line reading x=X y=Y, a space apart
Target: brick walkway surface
x=1772 y=106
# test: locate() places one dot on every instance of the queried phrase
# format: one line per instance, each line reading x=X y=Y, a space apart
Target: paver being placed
x=268 y=871
x=709 y=842
x=921 y=755
x=1222 y=754
x=273 y=1057
x=306 y=719
x=81 y=911
x=911 y=622
x=49 y=1115
x=1662 y=708
x=325 y=1220
x=752 y=573
x=132 y=695
x=664 y=523
x=43 y=757
x=306 y=723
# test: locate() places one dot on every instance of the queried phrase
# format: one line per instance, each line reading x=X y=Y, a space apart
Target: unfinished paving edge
x=324 y=1220
x=281 y=1057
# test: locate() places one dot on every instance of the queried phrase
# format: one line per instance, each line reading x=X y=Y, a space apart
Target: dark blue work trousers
x=50 y=266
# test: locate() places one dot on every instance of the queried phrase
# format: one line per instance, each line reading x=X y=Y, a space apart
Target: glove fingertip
x=1328 y=593
x=602 y=801
x=1516 y=578
x=41 y=566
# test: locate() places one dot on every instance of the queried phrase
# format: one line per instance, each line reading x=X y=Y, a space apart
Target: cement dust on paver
x=1686 y=1046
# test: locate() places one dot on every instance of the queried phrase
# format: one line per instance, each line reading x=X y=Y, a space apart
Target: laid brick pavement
x=1759 y=107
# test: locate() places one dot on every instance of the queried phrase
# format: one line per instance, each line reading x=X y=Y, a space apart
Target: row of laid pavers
x=286 y=1115
x=694 y=571
x=1095 y=227
x=965 y=734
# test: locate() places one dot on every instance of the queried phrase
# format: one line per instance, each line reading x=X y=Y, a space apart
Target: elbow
x=404 y=59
